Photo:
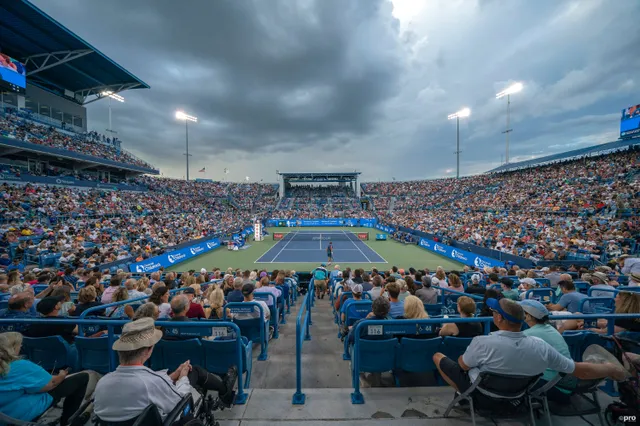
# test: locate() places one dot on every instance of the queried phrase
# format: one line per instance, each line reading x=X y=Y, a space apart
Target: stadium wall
x=284 y=223
x=43 y=102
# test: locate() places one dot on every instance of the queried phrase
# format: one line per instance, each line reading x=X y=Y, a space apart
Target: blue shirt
x=19 y=396
x=571 y=302
x=235 y=296
x=397 y=309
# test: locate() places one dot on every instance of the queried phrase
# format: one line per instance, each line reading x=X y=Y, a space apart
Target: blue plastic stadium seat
x=453 y=347
x=579 y=340
x=376 y=356
x=93 y=353
x=416 y=355
x=175 y=352
x=434 y=309
x=250 y=328
x=51 y=353
x=219 y=355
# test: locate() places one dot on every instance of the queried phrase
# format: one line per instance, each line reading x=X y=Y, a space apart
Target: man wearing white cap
x=123 y=394
x=600 y=281
x=629 y=265
x=634 y=279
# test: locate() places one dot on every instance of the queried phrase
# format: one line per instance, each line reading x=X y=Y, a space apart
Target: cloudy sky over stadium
x=317 y=85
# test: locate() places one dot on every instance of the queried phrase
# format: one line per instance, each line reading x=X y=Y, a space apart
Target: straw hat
x=138 y=334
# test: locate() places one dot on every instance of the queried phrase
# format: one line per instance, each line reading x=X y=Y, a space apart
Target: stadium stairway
x=321 y=356
x=392 y=203
x=326 y=382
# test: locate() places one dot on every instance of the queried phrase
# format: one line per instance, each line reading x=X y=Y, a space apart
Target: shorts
x=457 y=375
x=320 y=285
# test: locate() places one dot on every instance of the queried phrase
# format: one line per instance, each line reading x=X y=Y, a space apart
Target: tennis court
x=311 y=247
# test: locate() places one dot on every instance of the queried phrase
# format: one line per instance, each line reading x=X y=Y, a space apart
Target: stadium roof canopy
x=57 y=59
x=592 y=150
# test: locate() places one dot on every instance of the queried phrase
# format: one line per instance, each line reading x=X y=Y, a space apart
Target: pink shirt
x=107 y=296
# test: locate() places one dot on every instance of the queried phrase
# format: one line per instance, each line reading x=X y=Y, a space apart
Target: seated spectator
x=455 y=283
x=68 y=306
x=49 y=307
x=527 y=284
x=600 y=281
x=120 y=311
x=426 y=293
x=160 y=298
x=148 y=310
x=510 y=352
x=467 y=309
x=216 y=304
x=379 y=311
x=142 y=286
x=475 y=287
x=336 y=272
x=236 y=294
x=486 y=310
x=265 y=287
x=27 y=390
x=114 y=284
x=356 y=291
x=507 y=289
x=87 y=299
x=247 y=292
x=396 y=306
x=123 y=394
x=19 y=306
x=570 y=299
x=132 y=288
x=196 y=311
x=536 y=316
x=404 y=289
x=377 y=288
x=179 y=308
x=627 y=302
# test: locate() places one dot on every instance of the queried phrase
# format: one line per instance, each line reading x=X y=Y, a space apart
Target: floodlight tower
x=463 y=113
x=187 y=118
x=116 y=97
x=514 y=88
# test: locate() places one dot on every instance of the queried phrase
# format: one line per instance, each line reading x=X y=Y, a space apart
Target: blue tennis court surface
x=311 y=246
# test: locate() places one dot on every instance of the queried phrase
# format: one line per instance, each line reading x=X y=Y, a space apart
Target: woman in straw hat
x=123 y=394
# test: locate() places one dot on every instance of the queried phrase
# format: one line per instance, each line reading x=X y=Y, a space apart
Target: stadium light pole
x=514 y=88
x=187 y=118
x=463 y=113
x=118 y=98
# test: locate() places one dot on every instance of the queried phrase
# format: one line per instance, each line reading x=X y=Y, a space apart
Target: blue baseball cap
x=494 y=305
x=534 y=308
x=323 y=264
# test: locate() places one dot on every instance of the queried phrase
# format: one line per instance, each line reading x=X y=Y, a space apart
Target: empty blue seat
x=52 y=353
x=219 y=355
x=172 y=353
x=579 y=340
x=93 y=353
x=416 y=355
x=433 y=309
x=375 y=356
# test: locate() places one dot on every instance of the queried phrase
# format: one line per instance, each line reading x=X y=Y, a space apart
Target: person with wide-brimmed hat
x=123 y=394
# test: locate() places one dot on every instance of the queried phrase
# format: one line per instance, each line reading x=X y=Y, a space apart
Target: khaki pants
x=320 y=285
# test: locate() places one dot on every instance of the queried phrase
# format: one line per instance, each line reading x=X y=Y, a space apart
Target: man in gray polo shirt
x=509 y=352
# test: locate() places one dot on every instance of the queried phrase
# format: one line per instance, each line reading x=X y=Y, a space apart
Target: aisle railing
x=303 y=321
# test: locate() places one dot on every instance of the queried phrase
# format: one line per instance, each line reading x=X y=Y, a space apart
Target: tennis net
x=321 y=236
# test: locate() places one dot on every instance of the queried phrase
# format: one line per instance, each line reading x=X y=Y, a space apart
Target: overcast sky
x=340 y=85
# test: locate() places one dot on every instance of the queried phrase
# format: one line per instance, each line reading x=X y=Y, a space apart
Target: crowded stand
x=587 y=206
x=315 y=201
x=20 y=127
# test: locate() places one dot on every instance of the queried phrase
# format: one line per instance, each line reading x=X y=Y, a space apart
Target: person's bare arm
x=462 y=365
x=449 y=329
x=55 y=381
x=590 y=371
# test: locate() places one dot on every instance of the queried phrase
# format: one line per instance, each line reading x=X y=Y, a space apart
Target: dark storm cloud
x=257 y=74
x=346 y=84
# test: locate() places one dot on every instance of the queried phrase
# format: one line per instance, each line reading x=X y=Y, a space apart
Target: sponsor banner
x=67 y=181
x=174 y=257
x=462 y=256
x=290 y=223
x=385 y=228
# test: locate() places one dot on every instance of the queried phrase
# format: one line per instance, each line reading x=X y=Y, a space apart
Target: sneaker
x=229 y=396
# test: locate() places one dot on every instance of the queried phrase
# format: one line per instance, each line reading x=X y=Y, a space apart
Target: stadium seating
x=51 y=353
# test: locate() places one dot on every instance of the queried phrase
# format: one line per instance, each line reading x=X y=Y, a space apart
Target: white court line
x=320 y=241
x=349 y=249
x=319 y=261
x=377 y=254
x=285 y=246
x=352 y=242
